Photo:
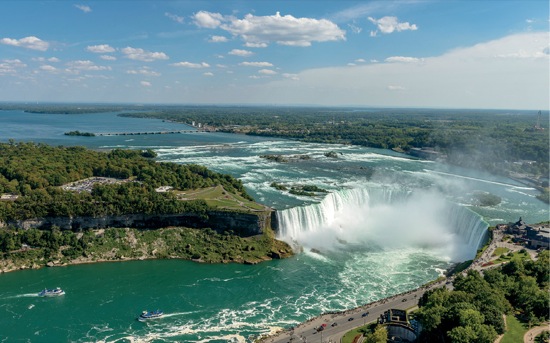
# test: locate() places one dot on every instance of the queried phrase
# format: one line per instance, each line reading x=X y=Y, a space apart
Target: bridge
x=147 y=133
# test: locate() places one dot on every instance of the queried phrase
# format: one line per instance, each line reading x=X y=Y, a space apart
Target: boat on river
x=51 y=292
x=148 y=315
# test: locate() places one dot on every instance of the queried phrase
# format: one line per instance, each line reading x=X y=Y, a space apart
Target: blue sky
x=448 y=54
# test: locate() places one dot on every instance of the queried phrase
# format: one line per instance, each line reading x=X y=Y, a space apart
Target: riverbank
x=62 y=248
x=353 y=318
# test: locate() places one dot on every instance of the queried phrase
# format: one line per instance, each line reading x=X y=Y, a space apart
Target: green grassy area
x=515 y=330
x=506 y=258
x=501 y=250
x=218 y=197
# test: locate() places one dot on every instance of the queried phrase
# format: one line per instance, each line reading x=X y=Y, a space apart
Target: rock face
x=242 y=224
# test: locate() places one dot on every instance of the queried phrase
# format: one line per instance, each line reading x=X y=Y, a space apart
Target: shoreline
x=4 y=270
x=395 y=301
x=129 y=244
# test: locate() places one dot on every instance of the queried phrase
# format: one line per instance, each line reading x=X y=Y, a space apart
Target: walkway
x=534 y=332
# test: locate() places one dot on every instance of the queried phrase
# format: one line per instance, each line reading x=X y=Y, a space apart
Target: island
x=66 y=205
x=78 y=133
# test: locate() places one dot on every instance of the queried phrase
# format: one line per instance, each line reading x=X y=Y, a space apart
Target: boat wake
x=26 y=295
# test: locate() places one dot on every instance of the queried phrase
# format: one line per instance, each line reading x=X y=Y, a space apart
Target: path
x=534 y=332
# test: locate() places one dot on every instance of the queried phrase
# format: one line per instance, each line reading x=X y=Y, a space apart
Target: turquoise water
x=376 y=237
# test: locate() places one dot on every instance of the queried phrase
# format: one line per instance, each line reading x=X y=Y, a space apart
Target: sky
x=407 y=53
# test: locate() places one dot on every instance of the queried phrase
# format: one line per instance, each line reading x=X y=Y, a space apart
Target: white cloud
x=174 y=17
x=267 y=72
x=42 y=59
x=239 y=52
x=360 y=60
x=100 y=49
x=259 y=31
x=390 y=24
x=256 y=64
x=207 y=19
x=83 y=8
x=217 y=39
x=145 y=83
x=108 y=57
x=191 y=65
x=255 y=45
x=284 y=30
x=293 y=77
x=467 y=77
x=143 y=71
x=142 y=55
x=403 y=59
x=208 y=74
x=30 y=42
x=49 y=68
x=11 y=66
x=87 y=65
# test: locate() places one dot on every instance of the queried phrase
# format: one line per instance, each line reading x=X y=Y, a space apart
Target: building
x=399 y=328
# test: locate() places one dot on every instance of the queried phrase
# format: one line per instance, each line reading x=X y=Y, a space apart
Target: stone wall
x=242 y=224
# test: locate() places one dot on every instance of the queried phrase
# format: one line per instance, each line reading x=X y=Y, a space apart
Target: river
x=372 y=236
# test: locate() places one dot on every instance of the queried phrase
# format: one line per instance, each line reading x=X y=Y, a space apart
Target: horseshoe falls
x=384 y=219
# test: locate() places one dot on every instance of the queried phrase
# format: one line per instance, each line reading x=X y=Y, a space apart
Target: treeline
x=63 y=246
x=473 y=311
x=488 y=140
x=35 y=172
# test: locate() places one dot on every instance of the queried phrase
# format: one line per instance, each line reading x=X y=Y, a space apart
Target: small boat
x=51 y=292
x=146 y=315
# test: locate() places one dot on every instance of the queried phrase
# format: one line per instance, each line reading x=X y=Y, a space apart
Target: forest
x=33 y=173
x=473 y=311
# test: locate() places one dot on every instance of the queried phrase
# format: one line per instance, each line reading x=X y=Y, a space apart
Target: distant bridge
x=147 y=133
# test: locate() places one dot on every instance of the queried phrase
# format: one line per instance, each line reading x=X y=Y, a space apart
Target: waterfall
x=386 y=218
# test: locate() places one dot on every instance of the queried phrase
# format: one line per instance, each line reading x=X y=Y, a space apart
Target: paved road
x=306 y=332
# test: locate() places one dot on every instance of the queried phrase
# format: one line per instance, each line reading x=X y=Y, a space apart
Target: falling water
x=386 y=219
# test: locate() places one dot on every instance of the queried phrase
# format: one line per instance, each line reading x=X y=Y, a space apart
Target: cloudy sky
x=405 y=53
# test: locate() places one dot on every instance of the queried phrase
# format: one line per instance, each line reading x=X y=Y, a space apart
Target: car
x=350 y=319
x=405 y=299
x=334 y=324
x=365 y=314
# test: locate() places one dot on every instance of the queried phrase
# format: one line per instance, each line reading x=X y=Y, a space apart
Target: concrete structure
x=399 y=328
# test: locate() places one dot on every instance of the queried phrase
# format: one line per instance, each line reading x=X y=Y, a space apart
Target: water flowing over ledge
x=383 y=218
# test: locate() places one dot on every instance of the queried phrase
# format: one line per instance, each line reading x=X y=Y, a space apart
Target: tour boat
x=146 y=315
x=51 y=292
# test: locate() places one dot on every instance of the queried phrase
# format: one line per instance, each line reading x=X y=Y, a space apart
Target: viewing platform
x=148 y=133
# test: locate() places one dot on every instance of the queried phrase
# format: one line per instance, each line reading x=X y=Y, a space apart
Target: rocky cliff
x=242 y=224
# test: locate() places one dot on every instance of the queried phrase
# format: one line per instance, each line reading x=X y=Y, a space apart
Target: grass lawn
x=515 y=331
x=506 y=258
x=219 y=197
x=501 y=250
